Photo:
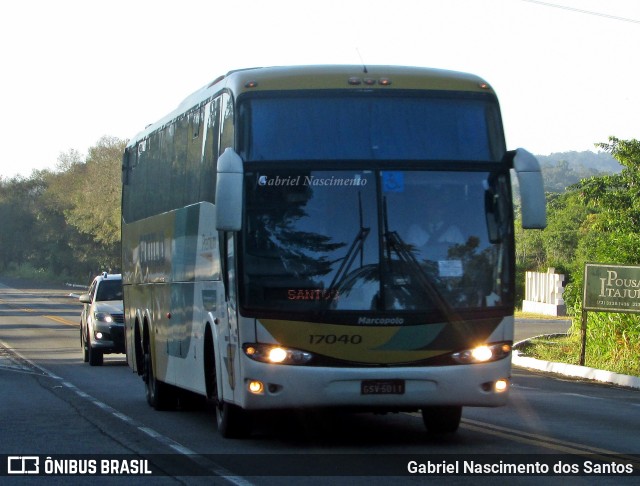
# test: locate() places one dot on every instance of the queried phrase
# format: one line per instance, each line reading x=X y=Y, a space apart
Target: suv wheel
x=95 y=355
x=83 y=345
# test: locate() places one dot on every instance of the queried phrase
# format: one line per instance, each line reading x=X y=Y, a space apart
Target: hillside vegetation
x=64 y=225
x=597 y=219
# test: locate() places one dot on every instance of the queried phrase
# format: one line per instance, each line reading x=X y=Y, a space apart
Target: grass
x=28 y=271
x=613 y=344
x=530 y=315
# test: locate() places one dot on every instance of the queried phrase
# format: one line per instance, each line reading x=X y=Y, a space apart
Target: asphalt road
x=528 y=328
x=52 y=403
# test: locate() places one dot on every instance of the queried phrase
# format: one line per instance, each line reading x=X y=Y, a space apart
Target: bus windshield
x=375 y=240
x=370 y=127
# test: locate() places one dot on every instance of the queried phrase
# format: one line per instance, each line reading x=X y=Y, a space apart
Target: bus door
x=227 y=329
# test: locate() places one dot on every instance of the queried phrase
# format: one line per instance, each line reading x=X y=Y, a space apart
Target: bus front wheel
x=442 y=419
x=233 y=422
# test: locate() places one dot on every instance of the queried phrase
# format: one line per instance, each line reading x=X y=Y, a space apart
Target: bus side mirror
x=534 y=215
x=229 y=191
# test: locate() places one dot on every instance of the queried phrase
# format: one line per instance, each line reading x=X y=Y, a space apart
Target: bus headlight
x=483 y=354
x=271 y=353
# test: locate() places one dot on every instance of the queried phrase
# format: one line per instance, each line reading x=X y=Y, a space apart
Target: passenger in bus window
x=434 y=228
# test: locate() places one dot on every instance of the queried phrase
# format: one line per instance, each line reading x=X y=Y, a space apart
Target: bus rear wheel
x=159 y=395
x=442 y=419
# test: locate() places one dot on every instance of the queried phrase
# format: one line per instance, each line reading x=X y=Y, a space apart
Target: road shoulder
x=570 y=370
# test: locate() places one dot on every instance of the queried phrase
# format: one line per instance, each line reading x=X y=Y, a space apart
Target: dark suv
x=102 y=319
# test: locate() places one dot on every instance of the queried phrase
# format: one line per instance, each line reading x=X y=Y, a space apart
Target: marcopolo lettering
x=380 y=320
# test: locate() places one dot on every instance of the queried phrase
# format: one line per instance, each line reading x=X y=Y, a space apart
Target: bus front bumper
x=399 y=388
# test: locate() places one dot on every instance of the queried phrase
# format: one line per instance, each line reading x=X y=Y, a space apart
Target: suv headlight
x=103 y=317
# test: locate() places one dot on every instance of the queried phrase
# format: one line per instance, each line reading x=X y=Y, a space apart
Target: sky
x=567 y=72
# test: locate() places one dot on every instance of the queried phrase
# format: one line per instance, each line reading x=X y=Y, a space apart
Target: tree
x=566 y=216
x=18 y=199
x=96 y=198
x=594 y=220
x=614 y=234
x=64 y=223
x=88 y=193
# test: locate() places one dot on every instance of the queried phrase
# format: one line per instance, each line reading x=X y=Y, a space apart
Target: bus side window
x=226 y=125
x=194 y=155
x=210 y=151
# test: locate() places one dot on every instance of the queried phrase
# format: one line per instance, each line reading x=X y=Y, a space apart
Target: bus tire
x=442 y=419
x=138 y=353
x=159 y=395
x=233 y=422
x=210 y=380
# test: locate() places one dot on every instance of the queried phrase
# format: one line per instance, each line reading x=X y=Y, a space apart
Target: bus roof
x=324 y=77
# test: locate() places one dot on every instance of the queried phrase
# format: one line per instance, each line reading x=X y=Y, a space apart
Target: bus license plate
x=382 y=387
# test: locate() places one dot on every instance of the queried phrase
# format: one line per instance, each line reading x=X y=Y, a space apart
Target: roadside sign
x=608 y=288
x=611 y=288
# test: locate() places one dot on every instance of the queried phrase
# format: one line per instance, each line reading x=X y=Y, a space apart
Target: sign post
x=608 y=288
x=583 y=337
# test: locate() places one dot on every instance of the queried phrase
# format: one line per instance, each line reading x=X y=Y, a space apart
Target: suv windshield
x=371 y=240
x=109 y=290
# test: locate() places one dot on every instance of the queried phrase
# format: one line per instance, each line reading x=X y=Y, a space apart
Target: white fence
x=543 y=293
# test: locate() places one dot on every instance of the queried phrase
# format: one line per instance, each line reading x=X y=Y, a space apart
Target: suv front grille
x=119 y=318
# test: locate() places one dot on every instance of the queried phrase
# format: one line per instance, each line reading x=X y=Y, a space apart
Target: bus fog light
x=256 y=387
x=501 y=386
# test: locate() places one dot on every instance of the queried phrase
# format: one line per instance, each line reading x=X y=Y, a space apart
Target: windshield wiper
x=357 y=246
x=401 y=249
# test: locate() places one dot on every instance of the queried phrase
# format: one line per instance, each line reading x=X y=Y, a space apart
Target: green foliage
x=609 y=347
x=613 y=344
x=96 y=208
x=560 y=176
x=65 y=223
x=596 y=220
x=583 y=164
x=16 y=218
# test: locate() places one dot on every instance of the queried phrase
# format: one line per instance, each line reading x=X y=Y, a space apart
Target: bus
x=325 y=237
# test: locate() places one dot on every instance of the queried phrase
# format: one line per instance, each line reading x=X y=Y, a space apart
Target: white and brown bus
x=331 y=236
